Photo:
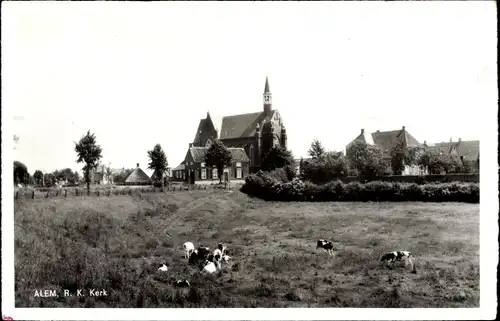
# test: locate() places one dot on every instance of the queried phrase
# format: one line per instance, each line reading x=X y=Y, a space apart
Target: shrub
x=272 y=186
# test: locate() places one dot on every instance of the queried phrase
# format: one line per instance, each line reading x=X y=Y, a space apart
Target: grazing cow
x=325 y=245
x=397 y=256
x=163 y=267
x=188 y=249
x=182 y=283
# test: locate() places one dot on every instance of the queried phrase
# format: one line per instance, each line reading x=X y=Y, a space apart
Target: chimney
x=378 y=130
x=362 y=130
x=190 y=145
x=403 y=127
x=137 y=165
x=425 y=142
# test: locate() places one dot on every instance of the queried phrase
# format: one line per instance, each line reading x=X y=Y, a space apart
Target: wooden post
x=97 y=193
x=47 y=196
x=76 y=191
x=65 y=193
x=57 y=193
x=33 y=195
x=109 y=193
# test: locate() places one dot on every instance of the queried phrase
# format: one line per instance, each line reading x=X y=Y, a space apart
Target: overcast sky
x=137 y=74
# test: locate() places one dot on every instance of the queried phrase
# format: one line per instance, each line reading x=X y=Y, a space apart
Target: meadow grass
x=116 y=243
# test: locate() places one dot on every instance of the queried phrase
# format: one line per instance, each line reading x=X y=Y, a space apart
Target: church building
x=255 y=132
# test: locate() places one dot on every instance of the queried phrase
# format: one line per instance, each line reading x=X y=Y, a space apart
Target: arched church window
x=251 y=154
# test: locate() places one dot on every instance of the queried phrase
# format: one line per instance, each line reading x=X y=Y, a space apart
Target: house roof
x=137 y=176
x=238 y=154
x=363 y=137
x=243 y=125
x=181 y=167
x=468 y=149
x=388 y=139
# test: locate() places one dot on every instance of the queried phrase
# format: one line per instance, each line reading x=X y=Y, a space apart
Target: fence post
x=33 y=195
x=57 y=193
x=17 y=195
x=88 y=192
x=173 y=189
x=76 y=191
x=65 y=193
x=47 y=196
x=97 y=193
x=109 y=193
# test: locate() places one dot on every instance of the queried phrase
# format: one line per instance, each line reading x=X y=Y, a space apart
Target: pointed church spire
x=266 y=88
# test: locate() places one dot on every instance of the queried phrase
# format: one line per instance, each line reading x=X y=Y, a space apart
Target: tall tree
x=20 y=172
x=38 y=176
x=219 y=156
x=316 y=149
x=108 y=173
x=158 y=162
x=277 y=157
x=89 y=152
x=367 y=160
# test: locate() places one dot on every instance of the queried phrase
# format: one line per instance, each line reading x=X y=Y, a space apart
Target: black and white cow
x=398 y=256
x=182 y=283
x=326 y=245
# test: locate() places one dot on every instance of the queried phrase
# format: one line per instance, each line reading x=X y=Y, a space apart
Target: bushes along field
x=271 y=187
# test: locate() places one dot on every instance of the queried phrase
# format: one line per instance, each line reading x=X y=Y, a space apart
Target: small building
x=196 y=170
x=178 y=173
x=138 y=177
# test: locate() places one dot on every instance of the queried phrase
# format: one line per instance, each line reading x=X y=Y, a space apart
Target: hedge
x=263 y=186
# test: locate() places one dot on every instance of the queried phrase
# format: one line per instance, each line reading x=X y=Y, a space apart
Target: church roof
x=243 y=125
x=238 y=154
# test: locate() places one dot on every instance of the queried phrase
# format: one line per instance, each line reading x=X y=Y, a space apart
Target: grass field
x=117 y=243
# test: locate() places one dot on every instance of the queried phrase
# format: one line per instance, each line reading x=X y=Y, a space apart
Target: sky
x=138 y=74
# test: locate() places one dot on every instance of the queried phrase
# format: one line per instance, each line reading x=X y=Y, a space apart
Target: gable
x=206 y=130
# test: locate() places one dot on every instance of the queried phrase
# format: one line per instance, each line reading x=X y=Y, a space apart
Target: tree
x=219 y=156
x=20 y=172
x=367 y=160
x=38 y=176
x=49 y=179
x=277 y=157
x=439 y=161
x=316 y=149
x=158 y=163
x=109 y=174
x=398 y=153
x=328 y=167
x=89 y=152
x=401 y=155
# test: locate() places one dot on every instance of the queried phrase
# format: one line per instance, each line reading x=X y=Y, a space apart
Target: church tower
x=267 y=99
